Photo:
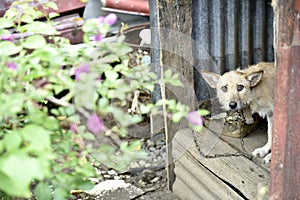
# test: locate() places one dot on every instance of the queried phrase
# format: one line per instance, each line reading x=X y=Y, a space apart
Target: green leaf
x=11 y=13
x=11 y=104
x=17 y=171
x=168 y=74
x=42 y=119
x=27 y=18
x=6 y=23
x=51 y=123
x=176 y=117
x=203 y=112
x=12 y=141
x=149 y=86
x=42 y=191
x=59 y=194
x=8 y=48
x=34 y=42
x=53 y=14
x=37 y=137
x=111 y=75
x=88 y=136
x=41 y=28
x=133 y=147
x=144 y=109
x=176 y=82
x=52 y=5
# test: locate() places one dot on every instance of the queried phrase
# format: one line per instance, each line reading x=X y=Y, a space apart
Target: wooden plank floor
x=222 y=177
x=252 y=141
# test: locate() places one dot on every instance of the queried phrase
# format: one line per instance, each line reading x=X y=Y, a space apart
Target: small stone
x=155 y=180
x=150 y=143
x=157 y=153
x=134 y=165
x=147 y=165
x=117 y=177
x=142 y=162
x=94 y=180
x=125 y=176
x=111 y=172
x=152 y=149
x=106 y=176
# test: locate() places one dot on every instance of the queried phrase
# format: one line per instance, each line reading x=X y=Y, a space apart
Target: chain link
x=238 y=154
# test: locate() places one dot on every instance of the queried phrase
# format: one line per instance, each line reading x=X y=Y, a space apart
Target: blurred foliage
x=54 y=97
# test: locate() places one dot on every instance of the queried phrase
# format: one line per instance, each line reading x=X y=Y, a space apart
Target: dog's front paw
x=249 y=120
x=267 y=158
x=262 y=151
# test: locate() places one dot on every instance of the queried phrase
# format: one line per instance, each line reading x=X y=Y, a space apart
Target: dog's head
x=234 y=87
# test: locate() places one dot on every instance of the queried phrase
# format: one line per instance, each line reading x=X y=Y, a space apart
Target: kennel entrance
x=238 y=49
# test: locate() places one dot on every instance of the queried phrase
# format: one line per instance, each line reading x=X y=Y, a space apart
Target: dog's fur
x=252 y=87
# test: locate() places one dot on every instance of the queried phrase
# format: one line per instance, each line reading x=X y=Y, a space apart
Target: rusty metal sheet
x=285 y=166
x=230 y=34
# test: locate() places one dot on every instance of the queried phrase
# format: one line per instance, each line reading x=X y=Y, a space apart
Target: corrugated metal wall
x=230 y=34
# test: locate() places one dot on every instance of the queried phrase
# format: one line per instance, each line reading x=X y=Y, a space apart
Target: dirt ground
x=145 y=179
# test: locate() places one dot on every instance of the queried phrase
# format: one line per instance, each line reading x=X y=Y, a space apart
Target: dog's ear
x=254 y=78
x=211 y=78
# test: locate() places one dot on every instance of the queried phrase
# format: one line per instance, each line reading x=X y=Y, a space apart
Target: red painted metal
x=132 y=6
x=69 y=26
x=285 y=166
x=69 y=5
x=63 y=5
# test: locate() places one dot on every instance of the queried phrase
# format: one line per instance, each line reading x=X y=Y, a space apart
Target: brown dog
x=252 y=87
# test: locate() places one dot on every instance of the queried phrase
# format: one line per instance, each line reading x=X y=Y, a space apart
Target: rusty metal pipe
x=140 y=7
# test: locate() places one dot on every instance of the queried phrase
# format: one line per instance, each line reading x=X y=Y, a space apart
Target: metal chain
x=238 y=154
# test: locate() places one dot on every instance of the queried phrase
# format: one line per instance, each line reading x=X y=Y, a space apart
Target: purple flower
x=99 y=20
x=83 y=68
x=40 y=82
x=8 y=37
x=195 y=118
x=74 y=128
x=110 y=19
x=98 y=37
x=11 y=66
x=95 y=124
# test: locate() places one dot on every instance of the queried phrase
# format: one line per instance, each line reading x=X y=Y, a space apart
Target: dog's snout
x=233 y=105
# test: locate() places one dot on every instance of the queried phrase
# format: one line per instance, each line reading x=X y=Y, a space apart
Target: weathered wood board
x=243 y=177
x=194 y=181
x=175 y=51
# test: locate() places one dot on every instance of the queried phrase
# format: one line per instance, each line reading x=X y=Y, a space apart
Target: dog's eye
x=240 y=87
x=224 y=88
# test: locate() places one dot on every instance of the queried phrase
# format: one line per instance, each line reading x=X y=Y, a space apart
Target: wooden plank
x=194 y=181
x=245 y=175
x=285 y=165
x=254 y=140
x=174 y=23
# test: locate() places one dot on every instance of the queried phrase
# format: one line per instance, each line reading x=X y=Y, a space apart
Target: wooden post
x=285 y=166
x=174 y=23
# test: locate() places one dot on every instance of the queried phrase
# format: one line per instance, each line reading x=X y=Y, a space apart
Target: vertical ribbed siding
x=245 y=34
x=270 y=34
x=155 y=50
x=217 y=34
x=201 y=47
x=259 y=31
x=230 y=34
